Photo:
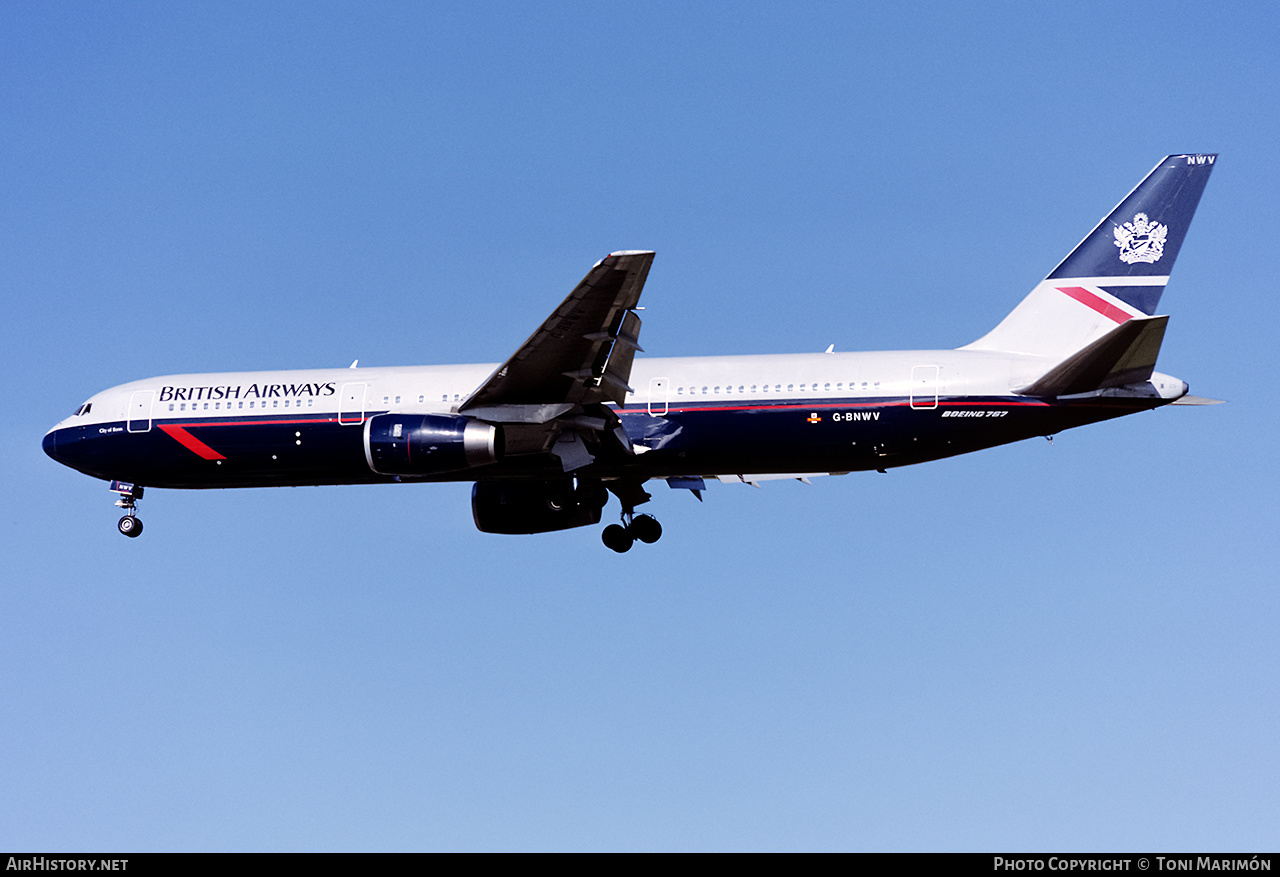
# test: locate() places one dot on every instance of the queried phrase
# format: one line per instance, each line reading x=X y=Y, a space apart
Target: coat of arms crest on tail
x=1141 y=240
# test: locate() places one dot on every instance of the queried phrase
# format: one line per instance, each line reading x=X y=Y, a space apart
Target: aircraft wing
x=581 y=355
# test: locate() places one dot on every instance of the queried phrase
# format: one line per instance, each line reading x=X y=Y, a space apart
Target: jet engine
x=518 y=507
x=429 y=444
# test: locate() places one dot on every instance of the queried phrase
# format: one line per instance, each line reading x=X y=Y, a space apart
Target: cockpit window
x=83 y=409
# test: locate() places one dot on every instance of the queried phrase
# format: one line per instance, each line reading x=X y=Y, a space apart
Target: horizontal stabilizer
x=1198 y=400
x=1125 y=355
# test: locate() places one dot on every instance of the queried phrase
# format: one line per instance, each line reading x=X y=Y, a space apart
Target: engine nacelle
x=519 y=507
x=429 y=444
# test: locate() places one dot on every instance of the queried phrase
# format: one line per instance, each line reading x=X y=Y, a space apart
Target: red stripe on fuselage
x=190 y=442
x=1087 y=298
x=828 y=406
x=267 y=421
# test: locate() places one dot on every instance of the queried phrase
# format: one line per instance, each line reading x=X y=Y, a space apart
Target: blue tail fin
x=1116 y=273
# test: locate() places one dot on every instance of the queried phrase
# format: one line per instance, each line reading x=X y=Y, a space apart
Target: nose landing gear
x=130 y=525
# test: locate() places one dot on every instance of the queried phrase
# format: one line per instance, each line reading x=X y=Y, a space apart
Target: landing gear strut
x=620 y=537
x=130 y=525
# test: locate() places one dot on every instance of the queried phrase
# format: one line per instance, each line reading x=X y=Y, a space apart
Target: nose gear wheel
x=130 y=525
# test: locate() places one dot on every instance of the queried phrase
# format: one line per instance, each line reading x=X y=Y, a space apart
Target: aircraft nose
x=73 y=446
x=50 y=444
x=66 y=446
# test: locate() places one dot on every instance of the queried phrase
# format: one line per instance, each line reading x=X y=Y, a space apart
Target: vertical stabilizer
x=1115 y=274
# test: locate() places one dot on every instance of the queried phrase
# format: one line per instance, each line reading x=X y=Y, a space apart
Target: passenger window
x=170 y=406
x=397 y=400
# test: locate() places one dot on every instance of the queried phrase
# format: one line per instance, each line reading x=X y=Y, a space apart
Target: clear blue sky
x=1035 y=647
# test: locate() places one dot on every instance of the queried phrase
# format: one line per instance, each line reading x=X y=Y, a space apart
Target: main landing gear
x=620 y=537
x=130 y=525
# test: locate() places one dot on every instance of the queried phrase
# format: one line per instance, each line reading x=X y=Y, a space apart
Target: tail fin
x=1115 y=274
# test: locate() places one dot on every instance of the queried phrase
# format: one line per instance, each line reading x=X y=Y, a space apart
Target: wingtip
x=1199 y=400
x=623 y=253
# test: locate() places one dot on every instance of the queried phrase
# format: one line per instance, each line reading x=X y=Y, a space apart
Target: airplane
x=574 y=416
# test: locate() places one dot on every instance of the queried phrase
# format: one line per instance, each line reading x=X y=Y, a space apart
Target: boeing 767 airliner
x=573 y=415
